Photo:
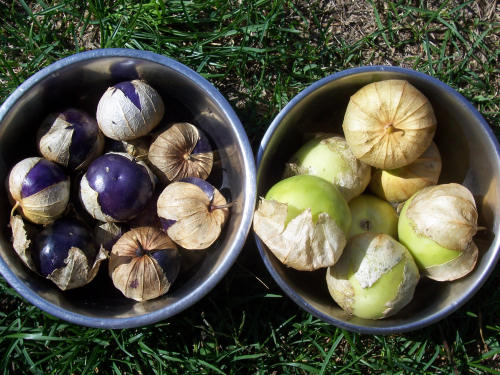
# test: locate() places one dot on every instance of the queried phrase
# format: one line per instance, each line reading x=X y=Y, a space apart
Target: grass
x=259 y=54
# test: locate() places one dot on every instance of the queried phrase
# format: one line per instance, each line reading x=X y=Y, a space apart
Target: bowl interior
x=469 y=154
x=187 y=97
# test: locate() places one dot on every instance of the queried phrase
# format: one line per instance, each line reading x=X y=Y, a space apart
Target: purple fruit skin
x=124 y=70
x=128 y=89
x=170 y=262
x=207 y=188
x=203 y=145
x=43 y=174
x=166 y=223
x=85 y=131
x=123 y=186
x=53 y=243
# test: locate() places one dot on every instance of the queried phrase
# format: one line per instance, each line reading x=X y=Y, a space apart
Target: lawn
x=259 y=54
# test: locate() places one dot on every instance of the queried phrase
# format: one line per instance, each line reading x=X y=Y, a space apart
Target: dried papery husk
x=331 y=158
x=40 y=188
x=437 y=225
x=137 y=148
x=389 y=124
x=106 y=234
x=397 y=185
x=375 y=277
x=181 y=151
x=144 y=263
x=70 y=138
x=77 y=272
x=129 y=110
x=301 y=243
x=65 y=252
x=194 y=215
x=22 y=235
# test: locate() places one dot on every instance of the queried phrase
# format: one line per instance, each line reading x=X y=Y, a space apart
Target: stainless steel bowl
x=471 y=156
x=82 y=78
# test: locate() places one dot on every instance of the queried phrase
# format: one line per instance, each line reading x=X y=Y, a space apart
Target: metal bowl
x=80 y=80
x=471 y=156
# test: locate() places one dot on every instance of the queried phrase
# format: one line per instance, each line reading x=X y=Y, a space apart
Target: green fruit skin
x=426 y=252
x=380 y=215
x=304 y=191
x=325 y=162
x=370 y=303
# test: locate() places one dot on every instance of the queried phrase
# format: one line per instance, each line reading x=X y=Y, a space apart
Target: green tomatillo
x=437 y=225
x=303 y=220
x=375 y=277
x=330 y=158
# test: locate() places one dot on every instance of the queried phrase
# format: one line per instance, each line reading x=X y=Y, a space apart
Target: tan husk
x=77 y=271
x=446 y=214
x=44 y=206
x=51 y=144
x=301 y=244
x=389 y=124
x=171 y=153
x=455 y=268
x=121 y=120
x=140 y=277
x=106 y=234
x=369 y=256
x=21 y=240
x=197 y=226
x=400 y=184
x=352 y=176
x=55 y=137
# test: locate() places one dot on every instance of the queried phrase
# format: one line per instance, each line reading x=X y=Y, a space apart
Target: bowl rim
x=398 y=328
x=247 y=205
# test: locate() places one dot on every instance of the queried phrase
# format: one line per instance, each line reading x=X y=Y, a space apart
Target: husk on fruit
x=70 y=138
x=375 y=278
x=301 y=244
x=437 y=225
x=77 y=272
x=144 y=263
x=65 y=253
x=47 y=204
x=330 y=158
x=194 y=213
x=397 y=185
x=181 y=151
x=22 y=234
x=304 y=221
x=389 y=124
x=129 y=110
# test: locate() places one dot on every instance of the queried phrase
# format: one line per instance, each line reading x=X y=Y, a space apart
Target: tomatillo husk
x=40 y=188
x=192 y=212
x=129 y=110
x=437 y=225
x=65 y=253
x=397 y=185
x=144 y=263
x=303 y=220
x=330 y=158
x=70 y=138
x=181 y=151
x=389 y=124
x=375 y=277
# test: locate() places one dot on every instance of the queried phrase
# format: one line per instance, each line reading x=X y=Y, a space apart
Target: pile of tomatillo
x=366 y=207
x=124 y=185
